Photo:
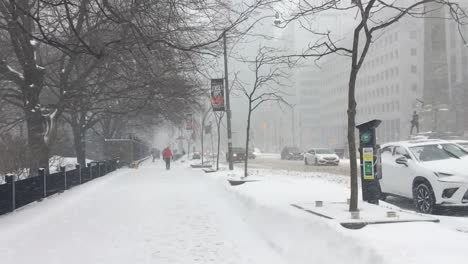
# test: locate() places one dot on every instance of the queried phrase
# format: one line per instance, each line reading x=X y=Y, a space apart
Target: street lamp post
x=228 y=105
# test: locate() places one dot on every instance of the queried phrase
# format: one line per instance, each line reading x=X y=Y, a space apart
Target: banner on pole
x=189 y=122
x=217 y=94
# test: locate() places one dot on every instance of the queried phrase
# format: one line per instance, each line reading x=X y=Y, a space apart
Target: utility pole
x=228 y=106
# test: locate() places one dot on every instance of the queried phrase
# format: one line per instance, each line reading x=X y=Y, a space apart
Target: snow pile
x=306 y=238
x=55 y=162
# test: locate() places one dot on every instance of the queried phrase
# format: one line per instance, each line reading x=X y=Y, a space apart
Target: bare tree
x=218 y=119
x=269 y=77
x=96 y=28
x=372 y=17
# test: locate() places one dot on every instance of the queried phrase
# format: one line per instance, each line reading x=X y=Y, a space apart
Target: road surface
x=273 y=161
x=145 y=215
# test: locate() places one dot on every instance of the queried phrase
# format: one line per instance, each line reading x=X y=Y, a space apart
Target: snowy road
x=139 y=216
x=275 y=162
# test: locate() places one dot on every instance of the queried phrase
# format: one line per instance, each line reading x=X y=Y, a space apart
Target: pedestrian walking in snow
x=415 y=123
x=167 y=156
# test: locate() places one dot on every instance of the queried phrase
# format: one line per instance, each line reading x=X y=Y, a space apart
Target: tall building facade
x=415 y=65
x=446 y=71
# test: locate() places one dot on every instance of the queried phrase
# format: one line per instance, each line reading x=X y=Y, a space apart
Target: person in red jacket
x=167 y=156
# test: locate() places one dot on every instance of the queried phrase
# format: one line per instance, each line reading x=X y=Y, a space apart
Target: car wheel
x=305 y=161
x=424 y=198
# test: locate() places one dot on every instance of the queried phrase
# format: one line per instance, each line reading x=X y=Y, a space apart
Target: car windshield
x=438 y=152
x=324 y=151
x=294 y=150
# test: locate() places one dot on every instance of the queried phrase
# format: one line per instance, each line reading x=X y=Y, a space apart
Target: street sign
x=217 y=94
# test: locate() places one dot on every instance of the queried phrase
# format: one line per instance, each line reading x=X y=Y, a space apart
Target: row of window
x=387 y=40
x=380 y=108
x=393 y=72
x=393 y=89
x=381 y=60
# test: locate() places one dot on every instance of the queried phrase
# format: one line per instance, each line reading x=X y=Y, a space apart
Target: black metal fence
x=15 y=194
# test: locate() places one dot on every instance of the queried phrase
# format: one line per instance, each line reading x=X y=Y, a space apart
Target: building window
x=395 y=36
x=413 y=34
x=413 y=52
x=396 y=54
x=414 y=87
x=414 y=69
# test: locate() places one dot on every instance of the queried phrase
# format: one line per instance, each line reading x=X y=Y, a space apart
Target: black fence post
x=99 y=169
x=78 y=169
x=90 y=170
x=64 y=174
x=10 y=179
x=105 y=167
x=42 y=174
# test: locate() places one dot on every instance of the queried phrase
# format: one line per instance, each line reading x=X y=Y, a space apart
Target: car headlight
x=442 y=174
x=234 y=155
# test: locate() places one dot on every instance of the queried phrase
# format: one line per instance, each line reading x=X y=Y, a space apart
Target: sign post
x=370 y=161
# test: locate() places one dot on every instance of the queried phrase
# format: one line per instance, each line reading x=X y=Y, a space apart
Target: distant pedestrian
x=167 y=156
x=153 y=154
x=414 y=123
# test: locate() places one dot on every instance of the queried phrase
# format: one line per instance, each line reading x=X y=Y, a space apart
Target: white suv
x=431 y=172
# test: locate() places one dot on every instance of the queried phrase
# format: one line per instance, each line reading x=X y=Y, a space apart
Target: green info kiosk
x=370 y=161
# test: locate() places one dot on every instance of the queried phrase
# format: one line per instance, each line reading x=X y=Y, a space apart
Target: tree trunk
x=38 y=149
x=353 y=205
x=79 y=144
x=218 y=124
x=202 y=146
x=247 y=138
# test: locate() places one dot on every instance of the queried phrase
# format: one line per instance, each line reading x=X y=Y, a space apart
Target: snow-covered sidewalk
x=301 y=236
x=148 y=215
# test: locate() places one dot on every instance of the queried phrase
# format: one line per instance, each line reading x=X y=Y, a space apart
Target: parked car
x=291 y=153
x=431 y=172
x=196 y=155
x=321 y=156
x=238 y=154
x=252 y=154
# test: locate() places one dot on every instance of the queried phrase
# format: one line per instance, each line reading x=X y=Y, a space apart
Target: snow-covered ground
x=296 y=233
x=69 y=163
x=151 y=215
x=146 y=215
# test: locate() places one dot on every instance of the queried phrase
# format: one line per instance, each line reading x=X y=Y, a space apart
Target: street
x=273 y=161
